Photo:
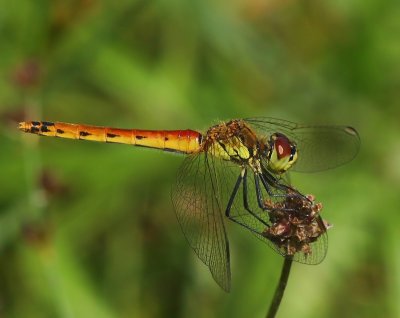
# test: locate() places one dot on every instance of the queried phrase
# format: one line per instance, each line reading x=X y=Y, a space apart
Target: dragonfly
x=238 y=169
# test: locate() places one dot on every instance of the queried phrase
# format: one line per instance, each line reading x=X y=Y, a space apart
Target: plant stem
x=280 y=289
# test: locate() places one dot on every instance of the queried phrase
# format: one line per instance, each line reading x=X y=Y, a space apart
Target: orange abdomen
x=184 y=141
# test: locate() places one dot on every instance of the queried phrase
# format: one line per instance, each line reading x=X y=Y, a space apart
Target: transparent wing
x=319 y=147
x=197 y=203
x=246 y=211
x=319 y=249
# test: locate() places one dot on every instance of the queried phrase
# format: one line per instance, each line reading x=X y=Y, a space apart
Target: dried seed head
x=296 y=223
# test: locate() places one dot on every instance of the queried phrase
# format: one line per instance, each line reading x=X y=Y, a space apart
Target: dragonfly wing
x=197 y=203
x=318 y=248
x=319 y=147
x=257 y=220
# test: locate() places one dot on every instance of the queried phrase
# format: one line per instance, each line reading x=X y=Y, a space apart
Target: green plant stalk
x=280 y=289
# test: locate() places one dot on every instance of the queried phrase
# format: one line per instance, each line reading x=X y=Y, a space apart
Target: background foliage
x=88 y=230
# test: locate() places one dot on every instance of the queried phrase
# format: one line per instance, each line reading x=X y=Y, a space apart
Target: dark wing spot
x=351 y=131
x=47 y=123
x=34 y=130
x=112 y=135
x=60 y=131
x=35 y=123
x=140 y=137
x=166 y=138
x=84 y=133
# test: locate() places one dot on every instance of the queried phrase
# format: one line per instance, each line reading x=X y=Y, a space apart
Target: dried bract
x=296 y=223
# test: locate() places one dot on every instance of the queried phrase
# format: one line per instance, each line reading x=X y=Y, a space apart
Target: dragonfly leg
x=269 y=181
x=246 y=202
x=268 y=187
x=288 y=191
x=240 y=179
x=233 y=195
x=260 y=199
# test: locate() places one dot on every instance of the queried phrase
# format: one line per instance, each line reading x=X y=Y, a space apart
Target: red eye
x=282 y=147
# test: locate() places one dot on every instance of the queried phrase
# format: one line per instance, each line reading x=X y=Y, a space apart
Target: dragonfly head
x=282 y=153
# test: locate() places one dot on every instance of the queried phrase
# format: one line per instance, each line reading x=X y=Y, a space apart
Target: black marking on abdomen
x=34 y=130
x=60 y=131
x=163 y=149
x=171 y=150
x=35 y=123
x=141 y=137
x=112 y=135
x=47 y=123
x=84 y=133
x=44 y=128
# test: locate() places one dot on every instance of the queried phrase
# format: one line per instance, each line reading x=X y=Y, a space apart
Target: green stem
x=280 y=289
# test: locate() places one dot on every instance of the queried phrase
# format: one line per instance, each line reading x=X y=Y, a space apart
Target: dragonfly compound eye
x=283 y=153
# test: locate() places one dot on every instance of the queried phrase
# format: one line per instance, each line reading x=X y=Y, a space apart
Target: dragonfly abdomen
x=184 y=141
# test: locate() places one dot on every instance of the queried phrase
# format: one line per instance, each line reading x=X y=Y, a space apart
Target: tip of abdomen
x=24 y=126
x=37 y=127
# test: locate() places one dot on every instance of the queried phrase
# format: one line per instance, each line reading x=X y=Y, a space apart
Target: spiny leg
x=246 y=201
x=241 y=179
x=230 y=202
x=260 y=199
x=269 y=182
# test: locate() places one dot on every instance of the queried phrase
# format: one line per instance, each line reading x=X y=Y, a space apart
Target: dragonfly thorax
x=236 y=141
x=233 y=141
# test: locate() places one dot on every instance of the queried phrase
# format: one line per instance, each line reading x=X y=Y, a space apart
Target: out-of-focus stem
x=280 y=289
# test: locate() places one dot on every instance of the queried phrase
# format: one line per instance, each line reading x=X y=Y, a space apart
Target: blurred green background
x=88 y=229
